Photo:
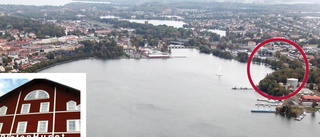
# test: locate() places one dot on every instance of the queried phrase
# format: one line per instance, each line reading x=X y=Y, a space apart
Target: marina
x=266 y=106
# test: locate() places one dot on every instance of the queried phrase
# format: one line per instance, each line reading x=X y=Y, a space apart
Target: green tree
x=50 y=55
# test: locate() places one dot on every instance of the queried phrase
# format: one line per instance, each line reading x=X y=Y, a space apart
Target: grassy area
x=312 y=110
x=296 y=111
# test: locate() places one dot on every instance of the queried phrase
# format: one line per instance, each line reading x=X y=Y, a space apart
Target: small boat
x=299 y=118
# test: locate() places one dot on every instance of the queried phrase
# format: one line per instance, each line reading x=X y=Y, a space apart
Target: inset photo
x=42 y=105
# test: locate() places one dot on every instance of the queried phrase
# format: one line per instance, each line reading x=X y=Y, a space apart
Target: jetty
x=178 y=56
x=266 y=104
x=241 y=88
x=257 y=110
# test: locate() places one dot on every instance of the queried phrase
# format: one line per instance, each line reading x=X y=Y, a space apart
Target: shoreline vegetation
x=106 y=49
x=283 y=68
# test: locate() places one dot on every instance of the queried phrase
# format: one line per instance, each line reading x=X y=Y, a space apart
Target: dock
x=178 y=56
x=241 y=88
x=273 y=105
x=263 y=110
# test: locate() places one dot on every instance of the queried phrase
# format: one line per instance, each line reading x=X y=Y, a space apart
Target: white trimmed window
x=22 y=127
x=71 y=105
x=37 y=94
x=25 y=108
x=1 y=124
x=44 y=107
x=42 y=126
x=73 y=125
x=3 y=110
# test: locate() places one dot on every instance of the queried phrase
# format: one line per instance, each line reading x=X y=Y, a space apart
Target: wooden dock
x=241 y=88
x=263 y=110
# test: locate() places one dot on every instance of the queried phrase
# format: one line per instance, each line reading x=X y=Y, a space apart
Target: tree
x=205 y=49
x=50 y=55
x=243 y=57
x=311 y=86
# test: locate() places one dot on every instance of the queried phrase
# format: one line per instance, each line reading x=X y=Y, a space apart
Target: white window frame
x=1 y=125
x=37 y=94
x=69 y=103
x=46 y=109
x=77 y=125
x=3 y=110
x=25 y=127
x=39 y=124
x=22 y=108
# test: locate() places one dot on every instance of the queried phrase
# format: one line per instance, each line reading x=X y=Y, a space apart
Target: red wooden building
x=307 y=98
x=40 y=108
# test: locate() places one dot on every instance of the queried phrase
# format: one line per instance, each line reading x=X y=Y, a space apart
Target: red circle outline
x=278 y=40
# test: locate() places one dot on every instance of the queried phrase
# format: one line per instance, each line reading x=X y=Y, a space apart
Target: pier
x=263 y=110
x=178 y=56
x=241 y=88
x=273 y=105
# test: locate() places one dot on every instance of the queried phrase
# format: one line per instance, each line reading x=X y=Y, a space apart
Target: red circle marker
x=305 y=78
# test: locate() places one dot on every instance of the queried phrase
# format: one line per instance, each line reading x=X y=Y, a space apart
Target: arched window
x=37 y=94
x=71 y=105
x=3 y=110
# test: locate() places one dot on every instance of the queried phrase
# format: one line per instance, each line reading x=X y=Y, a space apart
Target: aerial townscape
x=33 y=38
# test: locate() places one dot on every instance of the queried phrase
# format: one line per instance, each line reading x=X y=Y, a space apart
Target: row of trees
x=103 y=49
x=222 y=54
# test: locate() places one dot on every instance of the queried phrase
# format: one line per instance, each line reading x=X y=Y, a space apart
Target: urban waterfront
x=178 y=97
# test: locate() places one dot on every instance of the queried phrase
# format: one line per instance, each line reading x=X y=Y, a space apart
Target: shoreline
x=55 y=64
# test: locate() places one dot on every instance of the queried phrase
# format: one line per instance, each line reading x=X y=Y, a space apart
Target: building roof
x=36 y=81
x=292 y=79
x=310 y=97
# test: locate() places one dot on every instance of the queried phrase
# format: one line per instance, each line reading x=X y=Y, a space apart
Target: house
x=40 y=107
x=294 y=35
x=2 y=69
x=252 y=44
x=307 y=98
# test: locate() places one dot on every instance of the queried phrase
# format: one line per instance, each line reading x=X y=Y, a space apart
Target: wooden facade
x=40 y=108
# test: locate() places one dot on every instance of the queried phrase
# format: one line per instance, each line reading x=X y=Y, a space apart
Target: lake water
x=176 y=24
x=178 y=97
x=219 y=32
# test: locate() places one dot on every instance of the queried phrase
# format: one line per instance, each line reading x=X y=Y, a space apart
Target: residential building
x=40 y=107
